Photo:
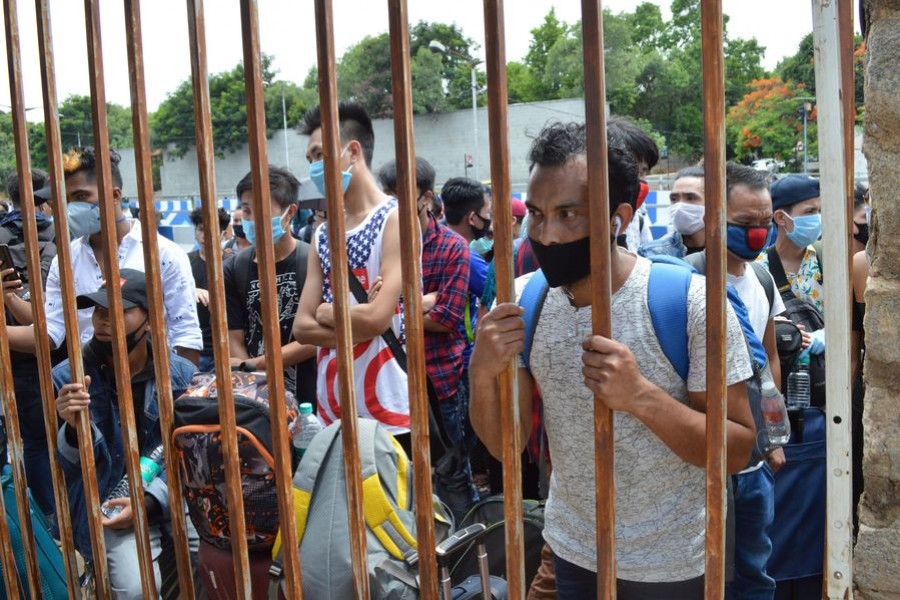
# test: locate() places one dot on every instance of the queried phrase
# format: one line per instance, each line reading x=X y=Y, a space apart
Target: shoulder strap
x=765 y=280
x=667 y=301
x=389 y=337
x=532 y=300
x=242 y=262
x=777 y=271
x=301 y=255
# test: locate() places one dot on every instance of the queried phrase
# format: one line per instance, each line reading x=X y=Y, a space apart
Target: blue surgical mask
x=317 y=174
x=84 y=219
x=807 y=229
x=748 y=241
x=868 y=215
x=278 y=230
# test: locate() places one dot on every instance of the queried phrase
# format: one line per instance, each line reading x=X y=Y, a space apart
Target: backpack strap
x=242 y=262
x=667 y=301
x=777 y=271
x=301 y=256
x=532 y=300
x=765 y=280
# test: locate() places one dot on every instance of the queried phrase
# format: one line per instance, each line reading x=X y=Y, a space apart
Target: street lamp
x=805 y=109
x=438 y=48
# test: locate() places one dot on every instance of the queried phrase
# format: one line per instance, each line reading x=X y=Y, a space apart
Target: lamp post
x=439 y=48
x=805 y=110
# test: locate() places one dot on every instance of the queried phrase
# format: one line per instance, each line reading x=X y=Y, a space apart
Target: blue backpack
x=670 y=280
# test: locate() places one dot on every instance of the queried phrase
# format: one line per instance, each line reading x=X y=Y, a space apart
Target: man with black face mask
x=98 y=396
x=660 y=421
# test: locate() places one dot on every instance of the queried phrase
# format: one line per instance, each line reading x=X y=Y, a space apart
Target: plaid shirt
x=445 y=270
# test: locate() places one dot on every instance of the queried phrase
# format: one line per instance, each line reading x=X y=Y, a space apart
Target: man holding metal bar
x=660 y=421
x=100 y=399
x=83 y=210
x=373 y=247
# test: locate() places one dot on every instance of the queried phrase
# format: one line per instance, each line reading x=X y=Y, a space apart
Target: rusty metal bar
x=411 y=248
x=153 y=273
x=712 y=34
x=206 y=168
x=848 y=102
x=26 y=203
x=498 y=123
x=601 y=285
x=73 y=337
x=265 y=253
x=331 y=150
x=109 y=239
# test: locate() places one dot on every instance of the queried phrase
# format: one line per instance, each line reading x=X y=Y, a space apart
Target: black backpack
x=800 y=312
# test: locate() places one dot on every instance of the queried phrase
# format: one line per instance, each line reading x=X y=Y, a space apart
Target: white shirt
x=179 y=300
x=660 y=498
x=753 y=294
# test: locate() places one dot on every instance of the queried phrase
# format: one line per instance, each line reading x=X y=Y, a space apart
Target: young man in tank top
x=373 y=249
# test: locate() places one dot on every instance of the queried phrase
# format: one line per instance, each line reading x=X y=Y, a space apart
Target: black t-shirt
x=245 y=313
x=198 y=268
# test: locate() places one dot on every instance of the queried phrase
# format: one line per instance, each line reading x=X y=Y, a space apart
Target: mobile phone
x=7 y=260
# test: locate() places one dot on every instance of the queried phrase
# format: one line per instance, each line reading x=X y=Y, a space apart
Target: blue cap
x=792 y=189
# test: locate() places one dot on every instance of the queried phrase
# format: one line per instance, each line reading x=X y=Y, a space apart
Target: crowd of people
x=660 y=423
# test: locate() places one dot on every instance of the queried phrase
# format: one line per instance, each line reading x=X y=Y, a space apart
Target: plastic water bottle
x=778 y=426
x=151 y=466
x=798 y=384
x=309 y=427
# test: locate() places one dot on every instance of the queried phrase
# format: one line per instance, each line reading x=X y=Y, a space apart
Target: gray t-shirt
x=660 y=499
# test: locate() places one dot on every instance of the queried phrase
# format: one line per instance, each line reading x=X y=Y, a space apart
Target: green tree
x=801 y=67
x=647 y=27
x=766 y=122
x=173 y=122
x=76 y=123
x=543 y=38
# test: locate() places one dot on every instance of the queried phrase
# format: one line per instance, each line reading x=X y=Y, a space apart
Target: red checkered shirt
x=445 y=270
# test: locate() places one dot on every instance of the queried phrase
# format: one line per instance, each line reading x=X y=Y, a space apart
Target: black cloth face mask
x=862 y=234
x=105 y=349
x=480 y=232
x=564 y=264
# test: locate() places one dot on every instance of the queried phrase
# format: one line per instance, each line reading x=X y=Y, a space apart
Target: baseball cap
x=45 y=194
x=792 y=189
x=518 y=208
x=134 y=292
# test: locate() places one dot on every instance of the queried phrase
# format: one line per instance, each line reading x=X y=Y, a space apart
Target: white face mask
x=687 y=219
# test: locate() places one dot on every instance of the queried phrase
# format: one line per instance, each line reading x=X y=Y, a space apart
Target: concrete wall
x=877 y=560
x=443 y=139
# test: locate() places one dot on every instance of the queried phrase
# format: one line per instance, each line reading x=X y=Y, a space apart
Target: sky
x=287 y=32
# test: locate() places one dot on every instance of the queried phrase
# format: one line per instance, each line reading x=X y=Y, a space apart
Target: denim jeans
x=575 y=583
x=207 y=363
x=754 y=510
x=452 y=472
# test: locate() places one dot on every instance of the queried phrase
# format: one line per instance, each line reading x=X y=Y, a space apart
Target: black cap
x=134 y=292
x=792 y=189
x=45 y=194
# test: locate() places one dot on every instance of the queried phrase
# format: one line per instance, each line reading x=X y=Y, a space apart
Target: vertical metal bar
x=411 y=249
x=265 y=253
x=26 y=203
x=110 y=267
x=712 y=34
x=838 y=532
x=206 y=168
x=159 y=338
x=498 y=121
x=601 y=285
x=73 y=337
x=340 y=284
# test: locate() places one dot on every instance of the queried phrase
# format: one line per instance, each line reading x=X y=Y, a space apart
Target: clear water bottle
x=309 y=427
x=798 y=384
x=778 y=426
x=151 y=466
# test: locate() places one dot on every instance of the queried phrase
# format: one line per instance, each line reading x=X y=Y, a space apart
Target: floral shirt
x=807 y=282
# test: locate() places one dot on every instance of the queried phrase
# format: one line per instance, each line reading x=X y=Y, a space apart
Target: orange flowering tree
x=768 y=122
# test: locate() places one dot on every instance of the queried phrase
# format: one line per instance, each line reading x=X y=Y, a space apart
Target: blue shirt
x=478 y=269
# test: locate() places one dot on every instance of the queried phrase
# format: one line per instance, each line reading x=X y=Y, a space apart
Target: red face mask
x=642 y=194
